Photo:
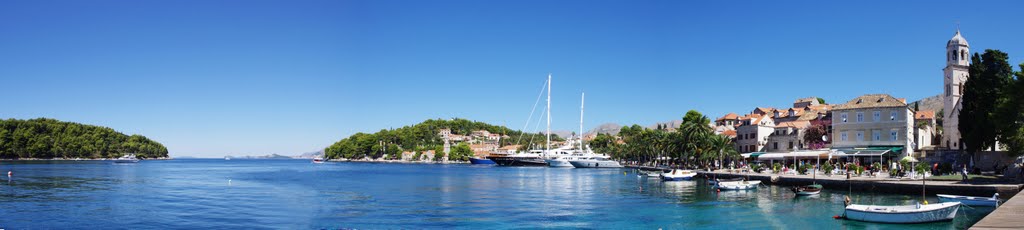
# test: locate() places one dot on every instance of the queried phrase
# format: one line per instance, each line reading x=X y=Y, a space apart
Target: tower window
x=963 y=55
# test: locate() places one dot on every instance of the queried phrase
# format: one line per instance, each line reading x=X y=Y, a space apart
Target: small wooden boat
x=807 y=190
x=971 y=200
x=905 y=214
x=678 y=174
x=719 y=180
x=738 y=185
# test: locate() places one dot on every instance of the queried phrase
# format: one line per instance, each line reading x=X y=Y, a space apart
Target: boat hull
x=558 y=163
x=738 y=185
x=903 y=214
x=518 y=161
x=595 y=164
x=480 y=161
x=126 y=161
x=678 y=176
x=807 y=190
x=970 y=200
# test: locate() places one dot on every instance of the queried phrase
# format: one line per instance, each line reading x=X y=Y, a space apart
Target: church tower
x=955 y=75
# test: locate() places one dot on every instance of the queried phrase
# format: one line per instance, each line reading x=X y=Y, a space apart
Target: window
x=790 y=145
x=893 y=134
x=892 y=115
x=860 y=116
x=775 y=145
x=963 y=55
x=843 y=115
x=947 y=90
x=843 y=136
x=877 y=116
x=876 y=135
x=860 y=135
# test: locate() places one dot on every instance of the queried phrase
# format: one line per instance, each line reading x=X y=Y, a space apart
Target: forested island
x=389 y=144
x=44 y=138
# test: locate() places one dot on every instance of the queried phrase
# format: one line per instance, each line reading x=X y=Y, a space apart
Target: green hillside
x=45 y=138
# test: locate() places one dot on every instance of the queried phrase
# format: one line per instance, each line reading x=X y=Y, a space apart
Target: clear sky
x=214 y=78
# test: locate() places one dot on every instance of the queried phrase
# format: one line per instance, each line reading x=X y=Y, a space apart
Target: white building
x=955 y=75
x=752 y=134
x=873 y=121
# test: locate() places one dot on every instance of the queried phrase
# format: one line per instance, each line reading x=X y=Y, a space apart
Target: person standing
x=963 y=173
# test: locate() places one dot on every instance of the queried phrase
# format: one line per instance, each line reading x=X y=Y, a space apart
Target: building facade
x=873 y=121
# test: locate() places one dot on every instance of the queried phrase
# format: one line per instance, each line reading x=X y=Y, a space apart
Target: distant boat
x=905 y=214
x=318 y=160
x=971 y=200
x=678 y=174
x=227 y=158
x=129 y=158
x=480 y=161
x=738 y=185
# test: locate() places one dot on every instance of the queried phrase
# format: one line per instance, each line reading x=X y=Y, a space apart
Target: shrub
x=828 y=169
x=776 y=167
x=803 y=169
x=757 y=168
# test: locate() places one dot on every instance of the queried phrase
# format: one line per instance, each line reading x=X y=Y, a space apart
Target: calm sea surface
x=296 y=194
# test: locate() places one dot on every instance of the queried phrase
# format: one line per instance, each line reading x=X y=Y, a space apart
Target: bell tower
x=955 y=75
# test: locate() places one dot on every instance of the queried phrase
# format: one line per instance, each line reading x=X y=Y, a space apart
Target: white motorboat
x=904 y=214
x=971 y=200
x=652 y=174
x=318 y=160
x=719 y=180
x=595 y=161
x=678 y=174
x=129 y=158
x=738 y=185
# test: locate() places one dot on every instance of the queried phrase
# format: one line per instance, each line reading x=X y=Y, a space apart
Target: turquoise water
x=296 y=194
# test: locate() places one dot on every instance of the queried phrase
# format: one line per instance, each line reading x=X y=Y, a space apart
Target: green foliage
x=1010 y=115
x=821 y=101
x=461 y=152
x=757 y=168
x=48 y=138
x=983 y=91
x=921 y=168
x=803 y=169
x=828 y=168
x=776 y=168
x=439 y=153
x=417 y=156
x=422 y=136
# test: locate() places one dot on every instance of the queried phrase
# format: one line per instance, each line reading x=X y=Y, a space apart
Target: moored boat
x=318 y=160
x=738 y=185
x=807 y=190
x=480 y=161
x=719 y=180
x=678 y=174
x=971 y=200
x=129 y=158
x=521 y=159
x=903 y=214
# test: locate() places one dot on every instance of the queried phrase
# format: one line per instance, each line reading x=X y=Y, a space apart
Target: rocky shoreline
x=78 y=159
x=397 y=161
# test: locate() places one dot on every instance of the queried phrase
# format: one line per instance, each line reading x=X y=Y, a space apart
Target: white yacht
x=128 y=158
x=595 y=161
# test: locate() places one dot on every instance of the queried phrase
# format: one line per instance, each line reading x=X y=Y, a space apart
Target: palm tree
x=723 y=148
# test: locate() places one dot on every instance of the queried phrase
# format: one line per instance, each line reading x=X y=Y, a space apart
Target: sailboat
x=532 y=157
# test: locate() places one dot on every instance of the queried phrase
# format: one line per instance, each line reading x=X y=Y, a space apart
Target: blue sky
x=214 y=78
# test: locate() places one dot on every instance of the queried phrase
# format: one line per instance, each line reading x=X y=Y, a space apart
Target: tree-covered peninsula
x=389 y=144
x=44 y=138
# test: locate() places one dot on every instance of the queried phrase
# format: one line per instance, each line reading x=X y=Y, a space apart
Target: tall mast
x=547 y=145
x=582 y=97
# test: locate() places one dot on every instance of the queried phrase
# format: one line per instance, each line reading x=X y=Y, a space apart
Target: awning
x=752 y=155
x=869 y=152
x=792 y=155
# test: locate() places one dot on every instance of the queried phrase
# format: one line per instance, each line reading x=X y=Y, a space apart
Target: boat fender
x=846 y=200
x=775 y=179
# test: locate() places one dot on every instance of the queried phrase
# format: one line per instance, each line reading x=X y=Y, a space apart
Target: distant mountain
x=933 y=103
x=674 y=124
x=607 y=128
x=310 y=155
x=271 y=156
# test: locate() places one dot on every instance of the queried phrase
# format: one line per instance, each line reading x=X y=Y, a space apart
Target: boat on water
x=903 y=214
x=129 y=158
x=807 y=190
x=595 y=161
x=480 y=161
x=716 y=181
x=651 y=174
x=738 y=185
x=532 y=158
x=971 y=200
x=678 y=175
x=227 y=158
x=318 y=160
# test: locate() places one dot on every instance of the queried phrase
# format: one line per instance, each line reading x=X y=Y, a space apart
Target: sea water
x=297 y=194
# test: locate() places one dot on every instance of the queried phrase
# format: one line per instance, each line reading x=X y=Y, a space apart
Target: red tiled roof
x=924 y=114
x=730 y=116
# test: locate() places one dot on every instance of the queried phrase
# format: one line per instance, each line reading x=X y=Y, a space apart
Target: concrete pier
x=1009 y=215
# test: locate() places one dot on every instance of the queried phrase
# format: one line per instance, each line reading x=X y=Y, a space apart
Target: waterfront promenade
x=878 y=184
